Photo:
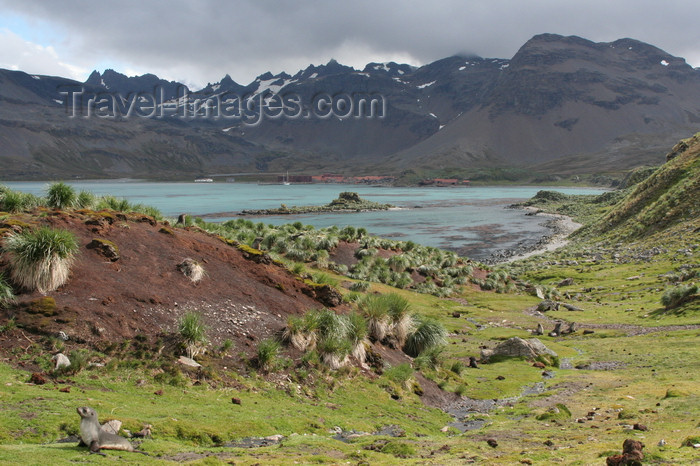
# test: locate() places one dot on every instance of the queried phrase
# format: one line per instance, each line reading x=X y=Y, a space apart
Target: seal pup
x=94 y=437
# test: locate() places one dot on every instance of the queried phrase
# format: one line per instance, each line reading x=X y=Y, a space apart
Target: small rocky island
x=346 y=202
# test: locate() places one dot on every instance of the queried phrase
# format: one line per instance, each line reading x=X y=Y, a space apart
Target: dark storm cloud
x=200 y=41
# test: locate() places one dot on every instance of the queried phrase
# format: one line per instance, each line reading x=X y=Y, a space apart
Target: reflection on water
x=472 y=221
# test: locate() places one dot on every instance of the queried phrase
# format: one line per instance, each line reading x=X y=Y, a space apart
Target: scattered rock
x=37 y=379
x=254 y=442
x=105 y=248
x=566 y=282
x=328 y=296
x=588 y=332
x=571 y=307
x=391 y=430
x=188 y=361
x=113 y=426
x=548 y=305
x=517 y=347
x=631 y=454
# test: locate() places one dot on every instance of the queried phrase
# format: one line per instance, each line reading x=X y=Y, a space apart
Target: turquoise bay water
x=472 y=221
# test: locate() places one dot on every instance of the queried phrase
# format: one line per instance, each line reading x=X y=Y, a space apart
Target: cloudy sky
x=196 y=42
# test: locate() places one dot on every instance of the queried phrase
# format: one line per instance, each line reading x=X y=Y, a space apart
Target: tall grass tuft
x=113 y=203
x=678 y=295
x=61 y=196
x=431 y=358
x=373 y=307
x=332 y=325
x=428 y=334
x=85 y=200
x=194 y=332
x=266 y=354
x=7 y=295
x=300 y=332
x=15 y=201
x=41 y=259
x=399 y=309
x=360 y=286
x=334 y=351
x=323 y=278
x=357 y=334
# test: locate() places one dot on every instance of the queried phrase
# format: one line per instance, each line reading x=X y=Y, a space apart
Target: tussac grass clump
x=431 y=358
x=85 y=200
x=357 y=334
x=305 y=244
x=7 y=294
x=398 y=308
x=266 y=354
x=429 y=333
x=333 y=336
x=15 y=201
x=41 y=259
x=193 y=331
x=676 y=296
x=374 y=308
x=61 y=196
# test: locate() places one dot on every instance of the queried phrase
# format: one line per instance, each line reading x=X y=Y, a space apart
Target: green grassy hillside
x=669 y=196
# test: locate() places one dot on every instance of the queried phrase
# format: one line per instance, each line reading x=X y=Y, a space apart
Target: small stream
x=465 y=409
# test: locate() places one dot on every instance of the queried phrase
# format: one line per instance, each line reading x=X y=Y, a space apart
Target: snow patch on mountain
x=423 y=86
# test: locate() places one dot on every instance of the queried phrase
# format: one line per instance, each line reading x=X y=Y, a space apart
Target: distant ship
x=285 y=180
x=203 y=180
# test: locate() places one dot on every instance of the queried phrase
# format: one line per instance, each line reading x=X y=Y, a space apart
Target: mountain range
x=561 y=106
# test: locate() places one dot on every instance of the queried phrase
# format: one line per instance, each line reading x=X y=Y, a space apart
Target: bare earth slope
x=143 y=292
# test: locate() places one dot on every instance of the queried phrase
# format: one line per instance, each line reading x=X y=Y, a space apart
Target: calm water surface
x=470 y=220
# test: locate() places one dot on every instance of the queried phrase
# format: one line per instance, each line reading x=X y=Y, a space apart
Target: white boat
x=285 y=180
x=203 y=180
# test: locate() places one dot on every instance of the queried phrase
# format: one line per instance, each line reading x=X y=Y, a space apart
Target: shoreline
x=560 y=226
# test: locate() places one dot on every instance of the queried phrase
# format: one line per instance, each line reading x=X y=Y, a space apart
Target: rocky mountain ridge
x=560 y=105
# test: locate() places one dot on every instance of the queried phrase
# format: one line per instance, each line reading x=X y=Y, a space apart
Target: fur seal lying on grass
x=94 y=437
